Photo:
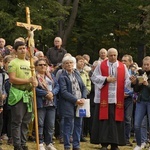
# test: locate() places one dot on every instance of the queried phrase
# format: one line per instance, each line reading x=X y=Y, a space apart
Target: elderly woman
x=72 y=93
x=46 y=92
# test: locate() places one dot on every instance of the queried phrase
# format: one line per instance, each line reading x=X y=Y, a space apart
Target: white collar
x=114 y=64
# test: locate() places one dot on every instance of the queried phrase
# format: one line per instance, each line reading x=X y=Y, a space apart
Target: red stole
x=119 y=110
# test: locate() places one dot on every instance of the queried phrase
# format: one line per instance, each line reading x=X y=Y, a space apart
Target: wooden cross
x=28 y=24
x=31 y=28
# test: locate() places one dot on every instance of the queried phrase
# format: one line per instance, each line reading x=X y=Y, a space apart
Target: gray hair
x=38 y=52
x=112 y=50
x=68 y=58
x=103 y=49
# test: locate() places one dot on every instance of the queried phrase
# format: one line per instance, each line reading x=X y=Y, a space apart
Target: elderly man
x=111 y=77
x=39 y=54
x=102 y=54
x=128 y=101
x=3 y=50
x=55 y=54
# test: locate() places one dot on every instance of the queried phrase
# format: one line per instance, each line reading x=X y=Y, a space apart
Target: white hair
x=74 y=62
x=38 y=52
x=103 y=50
x=68 y=58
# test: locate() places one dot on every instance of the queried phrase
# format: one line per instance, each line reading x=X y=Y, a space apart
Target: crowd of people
x=119 y=93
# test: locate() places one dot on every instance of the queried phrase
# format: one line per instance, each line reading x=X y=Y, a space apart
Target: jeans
x=46 y=124
x=142 y=109
x=144 y=130
x=69 y=124
x=62 y=127
x=128 y=109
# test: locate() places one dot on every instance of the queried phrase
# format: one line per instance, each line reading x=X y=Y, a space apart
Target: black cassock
x=107 y=131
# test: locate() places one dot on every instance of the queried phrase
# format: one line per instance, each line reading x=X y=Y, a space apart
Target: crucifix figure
x=31 y=28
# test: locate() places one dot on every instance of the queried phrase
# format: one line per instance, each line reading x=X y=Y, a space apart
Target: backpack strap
x=3 y=82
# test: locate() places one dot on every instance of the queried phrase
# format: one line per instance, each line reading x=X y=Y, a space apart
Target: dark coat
x=142 y=90
x=55 y=55
x=67 y=101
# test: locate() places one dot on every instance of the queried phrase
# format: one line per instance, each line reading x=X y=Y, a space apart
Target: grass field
x=84 y=146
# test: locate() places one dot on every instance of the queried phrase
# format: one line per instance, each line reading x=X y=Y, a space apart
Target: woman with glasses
x=46 y=92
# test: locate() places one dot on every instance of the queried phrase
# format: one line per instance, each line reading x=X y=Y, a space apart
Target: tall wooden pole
x=33 y=74
x=28 y=25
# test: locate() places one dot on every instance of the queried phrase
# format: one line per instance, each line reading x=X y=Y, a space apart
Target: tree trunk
x=64 y=31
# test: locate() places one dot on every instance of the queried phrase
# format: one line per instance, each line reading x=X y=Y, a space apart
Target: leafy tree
x=85 y=25
x=106 y=24
x=44 y=13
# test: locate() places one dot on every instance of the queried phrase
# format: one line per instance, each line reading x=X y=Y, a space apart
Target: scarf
x=119 y=109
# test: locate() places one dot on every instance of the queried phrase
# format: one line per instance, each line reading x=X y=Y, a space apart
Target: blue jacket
x=67 y=100
x=41 y=93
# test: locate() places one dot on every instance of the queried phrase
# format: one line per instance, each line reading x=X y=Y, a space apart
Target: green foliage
x=107 y=24
x=123 y=24
x=44 y=13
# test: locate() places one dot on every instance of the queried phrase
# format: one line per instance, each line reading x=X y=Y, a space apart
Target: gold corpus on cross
x=28 y=24
x=31 y=28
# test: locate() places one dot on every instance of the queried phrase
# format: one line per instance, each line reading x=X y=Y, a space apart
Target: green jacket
x=15 y=95
x=86 y=80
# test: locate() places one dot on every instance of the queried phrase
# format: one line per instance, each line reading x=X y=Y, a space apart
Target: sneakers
x=50 y=147
x=137 y=148
x=41 y=146
x=143 y=145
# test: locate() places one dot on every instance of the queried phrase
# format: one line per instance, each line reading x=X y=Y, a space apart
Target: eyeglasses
x=42 y=65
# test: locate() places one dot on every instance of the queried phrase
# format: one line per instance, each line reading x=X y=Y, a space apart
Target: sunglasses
x=42 y=65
